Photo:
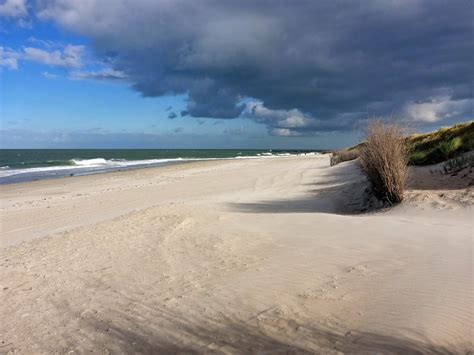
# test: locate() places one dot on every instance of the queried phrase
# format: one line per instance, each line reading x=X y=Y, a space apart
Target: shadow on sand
x=162 y=332
x=341 y=189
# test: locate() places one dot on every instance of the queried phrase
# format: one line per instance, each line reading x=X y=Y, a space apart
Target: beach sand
x=260 y=255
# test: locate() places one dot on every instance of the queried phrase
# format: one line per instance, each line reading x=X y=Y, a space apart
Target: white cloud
x=279 y=122
x=8 y=58
x=45 y=43
x=56 y=54
x=13 y=8
x=438 y=108
x=70 y=57
x=25 y=23
x=106 y=74
x=282 y=118
x=284 y=132
x=49 y=75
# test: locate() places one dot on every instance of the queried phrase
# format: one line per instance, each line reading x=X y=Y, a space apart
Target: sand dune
x=264 y=255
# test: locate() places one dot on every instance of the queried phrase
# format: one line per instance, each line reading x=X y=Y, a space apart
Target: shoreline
x=234 y=256
x=98 y=165
x=19 y=180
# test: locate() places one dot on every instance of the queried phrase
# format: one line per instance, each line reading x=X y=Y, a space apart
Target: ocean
x=19 y=165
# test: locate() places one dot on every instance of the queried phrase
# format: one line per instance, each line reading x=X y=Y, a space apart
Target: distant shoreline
x=18 y=166
x=25 y=178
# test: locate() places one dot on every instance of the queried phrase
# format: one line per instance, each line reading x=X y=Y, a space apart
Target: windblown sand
x=262 y=255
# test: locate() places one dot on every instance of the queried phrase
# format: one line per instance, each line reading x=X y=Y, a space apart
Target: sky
x=229 y=74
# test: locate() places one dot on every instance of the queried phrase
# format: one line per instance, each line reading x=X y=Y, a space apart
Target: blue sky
x=175 y=76
x=45 y=101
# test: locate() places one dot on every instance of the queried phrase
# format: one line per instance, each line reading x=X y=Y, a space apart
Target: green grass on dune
x=441 y=145
x=427 y=148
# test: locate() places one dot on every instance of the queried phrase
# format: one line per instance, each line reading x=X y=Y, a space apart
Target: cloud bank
x=305 y=66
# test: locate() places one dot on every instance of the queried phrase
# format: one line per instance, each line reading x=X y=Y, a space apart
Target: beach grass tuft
x=344 y=155
x=384 y=159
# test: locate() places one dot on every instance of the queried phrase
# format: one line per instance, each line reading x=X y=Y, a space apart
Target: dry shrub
x=343 y=155
x=384 y=160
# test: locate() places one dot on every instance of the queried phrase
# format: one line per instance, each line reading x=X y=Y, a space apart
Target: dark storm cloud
x=172 y=115
x=324 y=64
x=184 y=113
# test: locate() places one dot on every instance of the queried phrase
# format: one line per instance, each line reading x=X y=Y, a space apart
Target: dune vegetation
x=447 y=143
x=441 y=145
x=384 y=159
x=385 y=154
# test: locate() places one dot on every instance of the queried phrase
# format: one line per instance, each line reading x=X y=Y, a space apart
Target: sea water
x=18 y=165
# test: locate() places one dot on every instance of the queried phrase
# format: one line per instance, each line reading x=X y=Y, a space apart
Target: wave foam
x=89 y=162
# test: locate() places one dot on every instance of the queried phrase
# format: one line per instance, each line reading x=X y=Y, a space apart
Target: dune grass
x=343 y=155
x=386 y=153
x=428 y=148
x=442 y=145
x=384 y=159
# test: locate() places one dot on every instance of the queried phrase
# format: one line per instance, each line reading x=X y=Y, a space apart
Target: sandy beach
x=261 y=255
